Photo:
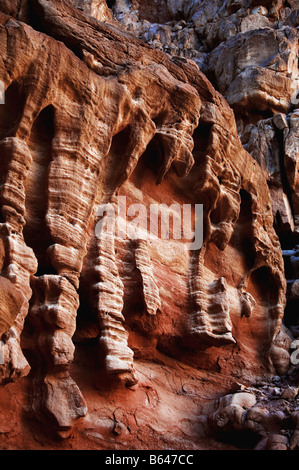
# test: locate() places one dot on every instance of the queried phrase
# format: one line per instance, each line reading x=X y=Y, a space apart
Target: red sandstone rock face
x=129 y=342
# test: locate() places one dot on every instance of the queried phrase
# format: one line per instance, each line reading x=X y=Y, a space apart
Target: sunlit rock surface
x=135 y=338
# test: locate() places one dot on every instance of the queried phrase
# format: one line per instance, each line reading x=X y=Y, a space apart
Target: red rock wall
x=121 y=343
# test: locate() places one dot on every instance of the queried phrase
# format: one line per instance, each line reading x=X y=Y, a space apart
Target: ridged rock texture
x=116 y=340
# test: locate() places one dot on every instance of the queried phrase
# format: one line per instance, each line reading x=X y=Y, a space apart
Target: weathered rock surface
x=124 y=342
